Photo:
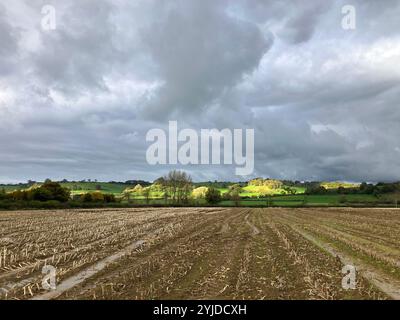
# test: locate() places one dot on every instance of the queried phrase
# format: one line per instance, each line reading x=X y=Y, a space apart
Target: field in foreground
x=200 y=253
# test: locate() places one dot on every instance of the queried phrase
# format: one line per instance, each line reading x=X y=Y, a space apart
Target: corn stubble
x=195 y=253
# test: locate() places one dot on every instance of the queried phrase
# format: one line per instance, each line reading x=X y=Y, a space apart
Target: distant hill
x=338 y=184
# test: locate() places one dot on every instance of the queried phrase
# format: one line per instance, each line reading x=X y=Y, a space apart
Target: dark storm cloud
x=200 y=51
x=77 y=102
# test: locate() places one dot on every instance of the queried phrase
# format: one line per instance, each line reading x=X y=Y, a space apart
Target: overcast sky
x=76 y=102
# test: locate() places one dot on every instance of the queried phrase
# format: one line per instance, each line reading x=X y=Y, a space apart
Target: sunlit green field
x=105 y=187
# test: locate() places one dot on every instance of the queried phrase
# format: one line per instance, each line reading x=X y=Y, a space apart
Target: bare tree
x=178 y=185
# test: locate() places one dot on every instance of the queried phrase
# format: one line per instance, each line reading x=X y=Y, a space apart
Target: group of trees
x=48 y=191
x=363 y=188
x=213 y=195
x=270 y=183
x=98 y=197
x=53 y=191
x=3 y=194
x=379 y=188
x=177 y=186
x=233 y=193
x=139 y=190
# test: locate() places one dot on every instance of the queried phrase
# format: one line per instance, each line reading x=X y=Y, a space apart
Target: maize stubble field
x=200 y=253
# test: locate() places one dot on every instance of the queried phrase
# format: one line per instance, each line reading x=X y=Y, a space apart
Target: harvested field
x=200 y=253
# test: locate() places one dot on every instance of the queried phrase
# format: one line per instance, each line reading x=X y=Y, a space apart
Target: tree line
x=49 y=194
x=364 y=188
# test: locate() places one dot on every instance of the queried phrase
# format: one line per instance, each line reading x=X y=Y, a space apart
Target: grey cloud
x=301 y=25
x=9 y=38
x=79 y=53
x=200 y=51
x=77 y=102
